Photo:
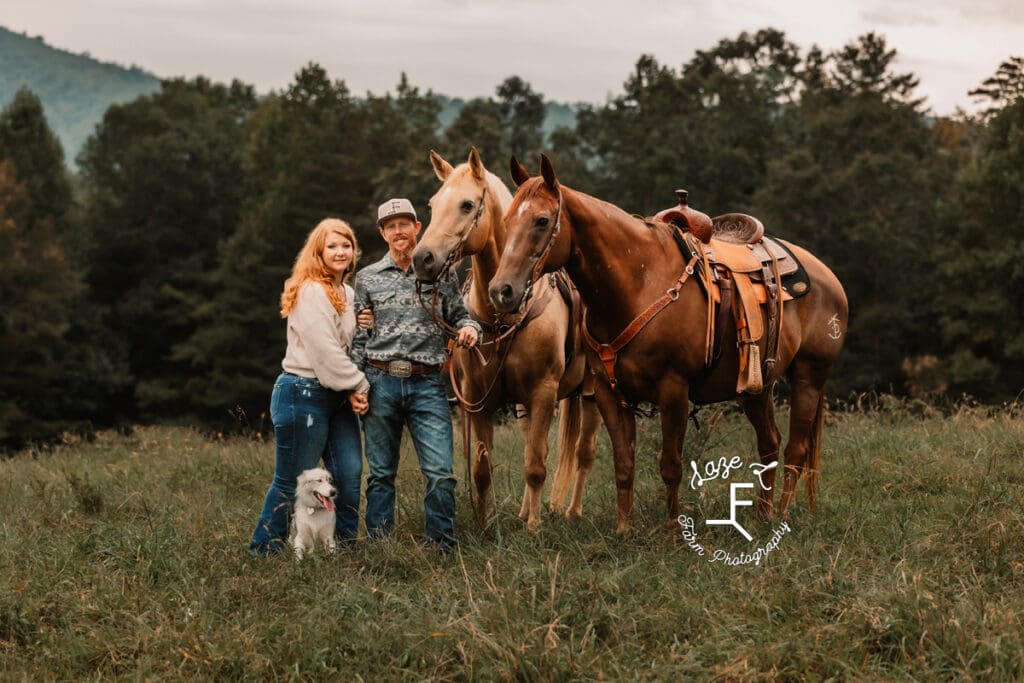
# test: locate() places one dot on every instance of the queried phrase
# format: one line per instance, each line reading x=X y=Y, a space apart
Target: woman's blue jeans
x=311 y=422
x=420 y=403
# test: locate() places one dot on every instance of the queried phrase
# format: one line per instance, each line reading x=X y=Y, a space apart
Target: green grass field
x=126 y=558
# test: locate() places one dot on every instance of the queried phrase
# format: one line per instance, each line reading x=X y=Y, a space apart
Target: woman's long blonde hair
x=310 y=267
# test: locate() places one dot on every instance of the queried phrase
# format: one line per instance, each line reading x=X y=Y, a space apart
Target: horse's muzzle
x=425 y=264
x=504 y=296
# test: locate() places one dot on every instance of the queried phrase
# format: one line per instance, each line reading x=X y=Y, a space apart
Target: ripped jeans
x=310 y=422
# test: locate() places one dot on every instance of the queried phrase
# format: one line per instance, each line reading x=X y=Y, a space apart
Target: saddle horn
x=697 y=223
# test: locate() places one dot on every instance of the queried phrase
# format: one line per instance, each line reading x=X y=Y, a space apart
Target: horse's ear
x=441 y=167
x=547 y=171
x=519 y=173
x=475 y=164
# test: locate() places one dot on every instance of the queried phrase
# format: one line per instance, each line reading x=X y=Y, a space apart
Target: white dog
x=314 y=511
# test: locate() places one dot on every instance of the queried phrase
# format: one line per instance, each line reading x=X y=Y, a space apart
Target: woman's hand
x=360 y=402
x=365 y=319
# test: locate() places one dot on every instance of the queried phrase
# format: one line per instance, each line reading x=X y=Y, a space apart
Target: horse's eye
x=467 y=206
x=541 y=222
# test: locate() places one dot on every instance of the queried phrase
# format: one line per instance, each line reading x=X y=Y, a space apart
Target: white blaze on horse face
x=523 y=208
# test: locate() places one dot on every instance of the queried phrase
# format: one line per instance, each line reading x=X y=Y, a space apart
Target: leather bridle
x=455 y=255
x=541 y=257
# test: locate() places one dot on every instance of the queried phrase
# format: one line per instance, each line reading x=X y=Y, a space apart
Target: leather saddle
x=748 y=276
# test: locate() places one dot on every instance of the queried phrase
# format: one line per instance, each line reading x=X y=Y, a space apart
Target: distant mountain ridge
x=76 y=89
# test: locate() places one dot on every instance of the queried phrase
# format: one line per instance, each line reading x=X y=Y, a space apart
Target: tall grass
x=126 y=557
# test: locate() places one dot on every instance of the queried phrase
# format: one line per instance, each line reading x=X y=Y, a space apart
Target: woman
x=312 y=416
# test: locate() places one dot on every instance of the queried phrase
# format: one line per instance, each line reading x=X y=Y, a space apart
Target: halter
x=455 y=255
x=542 y=257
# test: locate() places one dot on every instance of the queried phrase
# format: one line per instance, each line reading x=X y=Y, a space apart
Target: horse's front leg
x=620 y=421
x=673 y=404
x=482 y=426
x=541 y=410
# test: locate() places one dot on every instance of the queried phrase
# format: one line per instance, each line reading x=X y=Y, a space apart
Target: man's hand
x=365 y=319
x=360 y=403
x=466 y=337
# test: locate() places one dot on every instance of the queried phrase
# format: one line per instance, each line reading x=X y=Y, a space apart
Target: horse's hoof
x=574 y=514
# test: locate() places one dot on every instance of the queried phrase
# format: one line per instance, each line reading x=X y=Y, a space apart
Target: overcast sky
x=576 y=50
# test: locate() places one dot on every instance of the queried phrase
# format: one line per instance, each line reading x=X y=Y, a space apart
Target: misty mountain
x=76 y=89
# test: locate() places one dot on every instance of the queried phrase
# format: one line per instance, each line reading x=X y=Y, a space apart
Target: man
x=402 y=357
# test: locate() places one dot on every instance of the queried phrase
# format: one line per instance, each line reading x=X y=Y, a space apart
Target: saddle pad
x=748 y=258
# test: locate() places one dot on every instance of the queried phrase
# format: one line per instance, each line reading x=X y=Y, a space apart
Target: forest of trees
x=144 y=287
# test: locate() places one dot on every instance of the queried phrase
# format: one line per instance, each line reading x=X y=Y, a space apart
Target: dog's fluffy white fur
x=313 y=518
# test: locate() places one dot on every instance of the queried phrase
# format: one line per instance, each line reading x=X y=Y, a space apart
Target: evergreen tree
x=479 y=124
x=981 y=256
x=857 y=186
x=161 y=179
x=522 y=113
x=400 y=132
x=1004 y=87
x=62 y=366
x=511 y=124
x=37 y=159
x=37 y=285
x=711 y=128
x=313 y=151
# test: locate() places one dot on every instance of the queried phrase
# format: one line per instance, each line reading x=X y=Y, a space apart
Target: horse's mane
x=497 y=188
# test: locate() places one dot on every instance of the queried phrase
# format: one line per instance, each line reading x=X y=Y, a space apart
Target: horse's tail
x=570 y=416
x=814 y=454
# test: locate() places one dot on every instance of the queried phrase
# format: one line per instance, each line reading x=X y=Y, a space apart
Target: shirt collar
x=388 y=262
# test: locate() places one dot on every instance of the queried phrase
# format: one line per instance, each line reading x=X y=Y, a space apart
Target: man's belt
x=403 y=368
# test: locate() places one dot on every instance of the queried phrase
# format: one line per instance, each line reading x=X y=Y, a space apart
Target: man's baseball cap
x=395 y=207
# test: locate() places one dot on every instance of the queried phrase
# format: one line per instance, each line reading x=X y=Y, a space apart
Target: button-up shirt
x=402 y=328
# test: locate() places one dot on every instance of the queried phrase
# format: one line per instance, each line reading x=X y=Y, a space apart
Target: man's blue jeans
x=420 y=403
x=310 y=422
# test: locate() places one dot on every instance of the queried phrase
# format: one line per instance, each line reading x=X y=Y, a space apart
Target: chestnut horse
x=528 y=365
x=621 y=264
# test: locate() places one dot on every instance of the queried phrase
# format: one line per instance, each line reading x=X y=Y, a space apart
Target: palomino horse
x=621 y=264
x=520 y=361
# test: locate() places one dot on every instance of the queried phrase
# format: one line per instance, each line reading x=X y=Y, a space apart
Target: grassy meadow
x=125 y=557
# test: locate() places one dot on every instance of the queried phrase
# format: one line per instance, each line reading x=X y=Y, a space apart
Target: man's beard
x=403 y=254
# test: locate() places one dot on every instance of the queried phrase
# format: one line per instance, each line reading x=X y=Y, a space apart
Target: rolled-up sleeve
x=456 y=313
